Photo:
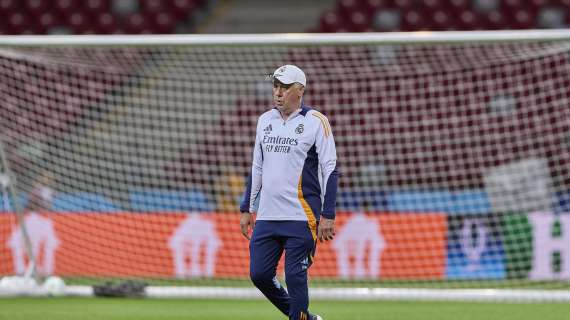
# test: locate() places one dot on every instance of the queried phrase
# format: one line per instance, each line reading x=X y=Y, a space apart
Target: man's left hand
x=325 y=231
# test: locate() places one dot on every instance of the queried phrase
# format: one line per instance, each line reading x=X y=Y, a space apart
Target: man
x=295 y=177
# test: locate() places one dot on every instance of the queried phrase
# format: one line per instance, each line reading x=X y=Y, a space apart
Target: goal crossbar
x=420 y=37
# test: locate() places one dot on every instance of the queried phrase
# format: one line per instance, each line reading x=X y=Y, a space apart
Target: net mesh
x=129 y=162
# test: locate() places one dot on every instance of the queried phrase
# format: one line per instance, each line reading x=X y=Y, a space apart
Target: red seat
x=521 y=14
x=9 y=5
x=360 y=21
x=495 y=20
x=330 y=22
x=152 y=7
x=163 y=23
x=404 y=4
x=433 y=5
x=106 y=23
x=512 y=5
x=79 y=23
x=346 y=7
x=137 y=24
x=182 y=8
x=468 y=20
x=36 y=7
x=46 y=21
x=18 y=23
x=66 y=7
x=523 y=19
x=442 y=20
x=413 y=20
x=373 y=5
x=458 y=6
x=96 y=7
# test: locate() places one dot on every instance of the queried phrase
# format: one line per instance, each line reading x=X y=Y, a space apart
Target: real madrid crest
x=299 y=129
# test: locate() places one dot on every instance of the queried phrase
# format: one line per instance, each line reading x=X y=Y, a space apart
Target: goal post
x=131 y=154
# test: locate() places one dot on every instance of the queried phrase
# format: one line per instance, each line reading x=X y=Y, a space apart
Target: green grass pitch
x=187 y=309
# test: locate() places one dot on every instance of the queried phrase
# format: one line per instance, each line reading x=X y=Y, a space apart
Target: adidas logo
x=268 y=129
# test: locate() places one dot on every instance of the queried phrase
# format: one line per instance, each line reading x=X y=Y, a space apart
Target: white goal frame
x=479 y=295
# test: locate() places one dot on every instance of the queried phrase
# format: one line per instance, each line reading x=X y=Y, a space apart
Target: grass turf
x=146 y=309
x=352 y=283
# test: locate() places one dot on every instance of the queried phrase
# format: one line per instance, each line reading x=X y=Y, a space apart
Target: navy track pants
x=268 y=241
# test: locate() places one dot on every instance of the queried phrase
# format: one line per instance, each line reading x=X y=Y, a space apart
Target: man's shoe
x=317 y=317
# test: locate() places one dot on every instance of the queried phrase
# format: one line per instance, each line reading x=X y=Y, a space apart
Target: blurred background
x=451 y=146
x=257 y=16
x=91 y=98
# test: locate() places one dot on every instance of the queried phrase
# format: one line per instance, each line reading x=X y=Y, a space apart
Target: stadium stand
x=438 y=15
x=99 y=16
x=449 y=167
x=171 y=16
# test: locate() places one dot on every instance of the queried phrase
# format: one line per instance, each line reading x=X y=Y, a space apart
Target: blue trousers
x=268 y=241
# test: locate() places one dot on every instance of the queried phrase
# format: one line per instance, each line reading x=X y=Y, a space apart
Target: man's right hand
x=246 y=224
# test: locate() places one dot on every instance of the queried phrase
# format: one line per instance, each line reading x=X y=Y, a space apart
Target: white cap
x=289 y=73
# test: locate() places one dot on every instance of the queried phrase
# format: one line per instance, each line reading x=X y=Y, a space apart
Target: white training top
x=294 y=167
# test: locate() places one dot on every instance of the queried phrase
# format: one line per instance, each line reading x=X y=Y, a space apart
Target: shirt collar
x=302 y=111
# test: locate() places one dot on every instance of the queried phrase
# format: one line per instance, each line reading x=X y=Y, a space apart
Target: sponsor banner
x=517 y=235
x=167 y=245
x=385 y=246
x=129 y=244
x=475 y=249
x=536 y=245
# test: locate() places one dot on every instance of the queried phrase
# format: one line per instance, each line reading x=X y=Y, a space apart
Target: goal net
x=128 y=156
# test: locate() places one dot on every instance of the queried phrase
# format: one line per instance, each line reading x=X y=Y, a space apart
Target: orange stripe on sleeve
x=324 y=122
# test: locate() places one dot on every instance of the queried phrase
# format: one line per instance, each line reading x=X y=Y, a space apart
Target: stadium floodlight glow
x=452 y=145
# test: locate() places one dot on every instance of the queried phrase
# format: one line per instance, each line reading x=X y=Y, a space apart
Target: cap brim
x=283 y=79
x=272 y=79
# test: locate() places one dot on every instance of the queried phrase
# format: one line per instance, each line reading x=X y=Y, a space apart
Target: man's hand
x=325 y=232
x=246 y=224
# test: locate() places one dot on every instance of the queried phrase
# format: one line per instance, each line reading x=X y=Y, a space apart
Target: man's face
x=287 y=96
